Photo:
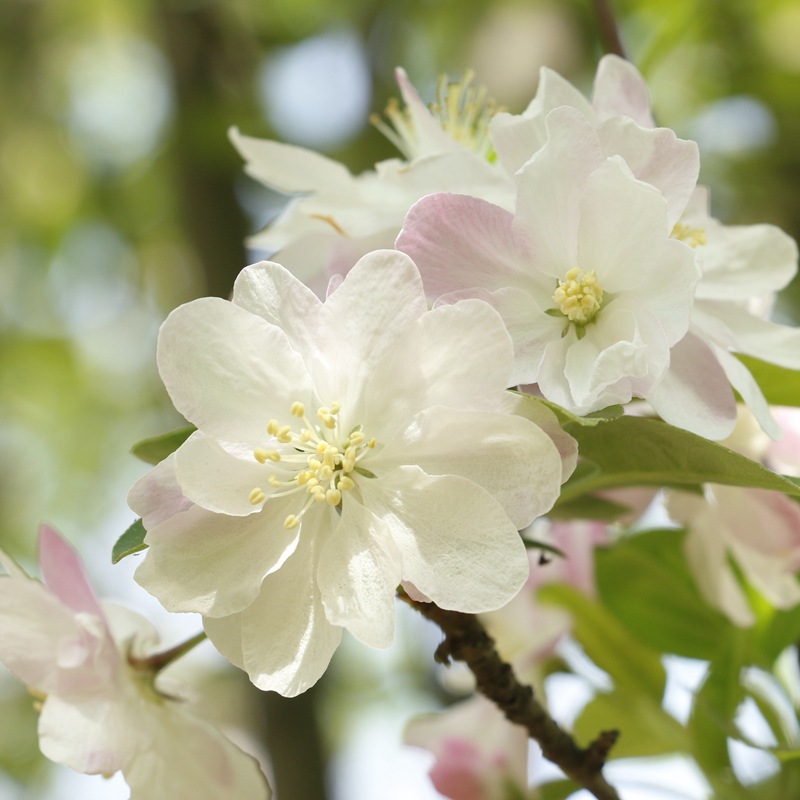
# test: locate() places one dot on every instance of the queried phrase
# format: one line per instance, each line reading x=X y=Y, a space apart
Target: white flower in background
x=742 y=267
x=479 y=754
x=620 y=115
x=101 y=709
x=591 y=286
x=758 y=530
x=339 y=217
x=342 y=448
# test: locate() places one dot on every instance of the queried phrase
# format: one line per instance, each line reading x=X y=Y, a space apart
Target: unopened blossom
x=479 y=754
x=620 y=114
x=339 y=217
x=102 y=708
x=343 y=448
x=592 y=287
x=757 y=529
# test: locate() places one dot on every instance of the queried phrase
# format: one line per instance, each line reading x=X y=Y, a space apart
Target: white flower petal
x=272 y=292
x=212 y=563
x=620 y=89
x=283 y=640
x=508 y=456
x=228 y=371
x=156 y=496
x=359 y=571
x=694 y=393
x=217 y=479
x=288 y=168
x=465 y=554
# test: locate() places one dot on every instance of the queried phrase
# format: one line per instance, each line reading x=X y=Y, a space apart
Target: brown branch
x=609 y=32
x=465 y=639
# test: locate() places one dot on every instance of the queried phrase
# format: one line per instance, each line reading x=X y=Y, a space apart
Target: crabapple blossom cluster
x=419 y=396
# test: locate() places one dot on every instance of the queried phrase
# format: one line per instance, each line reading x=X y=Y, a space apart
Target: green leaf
x=645 y=728
x=588 y=506
x=669 y=614
x=157 y=448
x=633 y=666
x=565 y=417
x=780 y=386
x=557 y=790
x=132 y=541
x=634 y=451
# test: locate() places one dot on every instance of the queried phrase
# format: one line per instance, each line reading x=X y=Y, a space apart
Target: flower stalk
x=158 y=661
x=465 y=639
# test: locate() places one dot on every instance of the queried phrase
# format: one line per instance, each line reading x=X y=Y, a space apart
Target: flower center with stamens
x=462 y=110
x=320 y=463
x=579 y=296
x=686 y=233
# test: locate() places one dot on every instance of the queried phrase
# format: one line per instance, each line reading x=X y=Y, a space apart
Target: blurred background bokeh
x=121 y=197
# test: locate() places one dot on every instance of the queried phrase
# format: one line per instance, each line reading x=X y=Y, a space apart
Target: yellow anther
x=275 y=481
x=319 y=495
x=346 y=483
x=372 y=442
x=349 y=460
x=578 y=296
x=304 y=477
x=298 y=409
x=284 y=434
x=257 y=496
x=312 y=483
x=330 y=458
x=692 y=236
x=262 y=455
x=314 y=463
x=322 y=447
x=325 y=472
x=357 y=438
x=291 y=522
x=305 y=435
x=333 y=497
x=272 y=427
x=336 y=408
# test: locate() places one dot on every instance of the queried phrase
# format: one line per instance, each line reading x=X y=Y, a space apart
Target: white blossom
x=342 y=448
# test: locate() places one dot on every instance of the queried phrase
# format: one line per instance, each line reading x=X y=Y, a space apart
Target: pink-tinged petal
x=430 y=137
x=459 y=242
x=43 y=643
x=272 y=292
x=95 y=736
x=508 y=456
x=549 y=188
x=656 y=157
x=743 y=261
x=283 y=640
x=212 y=563
x=156 y=496
x=706 y=554
x=64 y=575
x=784 y=455
x=742 y=380
x=219 y=480
x=694 y=393
x=288 y=168
x=188 y=759
x=479 y=753
x=619 y=88
x=457 y=355
x=517 y=137
x=228 y=371
x=359 y=571
x=465 y=553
